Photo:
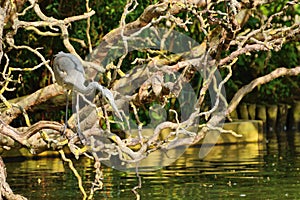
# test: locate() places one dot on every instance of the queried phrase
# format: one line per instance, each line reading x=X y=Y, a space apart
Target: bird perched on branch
x=69 y=73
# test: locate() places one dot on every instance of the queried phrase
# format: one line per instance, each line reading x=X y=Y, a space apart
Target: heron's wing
x=68 y=70
x=77 y=63
x=68 y=62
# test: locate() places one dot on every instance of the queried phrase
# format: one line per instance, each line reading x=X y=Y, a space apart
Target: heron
x=69 y=73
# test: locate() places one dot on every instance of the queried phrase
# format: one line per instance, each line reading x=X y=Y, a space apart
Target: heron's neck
x=92 y=86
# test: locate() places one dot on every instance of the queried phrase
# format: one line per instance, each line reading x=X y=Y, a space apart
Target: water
x=237 y=171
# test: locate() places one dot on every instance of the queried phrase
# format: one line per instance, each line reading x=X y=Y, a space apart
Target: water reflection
x=247 y=171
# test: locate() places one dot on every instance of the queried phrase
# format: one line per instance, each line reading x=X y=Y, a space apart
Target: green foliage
x=275 y=91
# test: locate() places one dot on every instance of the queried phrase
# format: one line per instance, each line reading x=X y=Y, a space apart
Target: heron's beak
x=109 y=96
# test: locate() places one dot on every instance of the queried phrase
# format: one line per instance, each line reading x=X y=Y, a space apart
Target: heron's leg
x=67 y=108
x=66 y=114
x=80 y=134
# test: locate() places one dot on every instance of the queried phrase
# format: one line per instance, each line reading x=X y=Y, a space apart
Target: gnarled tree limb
x=260 y=81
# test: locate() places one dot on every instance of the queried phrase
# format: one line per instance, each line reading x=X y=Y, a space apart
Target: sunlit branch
x=260 y=81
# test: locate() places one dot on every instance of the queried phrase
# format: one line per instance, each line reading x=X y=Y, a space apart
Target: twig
x=134 y=190
x=69 y=161
x=88 y=26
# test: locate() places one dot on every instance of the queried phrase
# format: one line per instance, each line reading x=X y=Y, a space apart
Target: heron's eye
x=63 y=73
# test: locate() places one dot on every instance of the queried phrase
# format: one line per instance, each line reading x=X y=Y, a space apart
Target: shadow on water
x=236 y=171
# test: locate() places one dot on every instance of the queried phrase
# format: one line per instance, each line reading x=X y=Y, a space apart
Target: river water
x=268 y=170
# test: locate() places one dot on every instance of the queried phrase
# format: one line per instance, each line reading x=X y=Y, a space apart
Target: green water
x=243 y=171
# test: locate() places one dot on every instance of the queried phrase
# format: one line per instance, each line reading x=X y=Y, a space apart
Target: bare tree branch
x=260 y=81
x=31 y=100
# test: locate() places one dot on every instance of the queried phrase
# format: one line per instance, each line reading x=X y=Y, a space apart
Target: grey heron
x=69 y=73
